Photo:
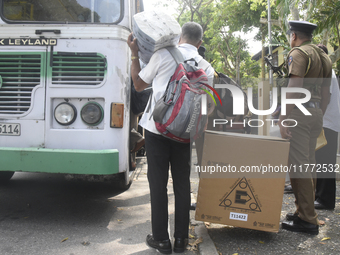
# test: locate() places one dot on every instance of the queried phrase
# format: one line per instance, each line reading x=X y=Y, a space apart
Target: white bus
x=65 y=87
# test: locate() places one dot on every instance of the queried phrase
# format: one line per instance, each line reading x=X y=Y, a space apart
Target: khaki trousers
x=301 y=158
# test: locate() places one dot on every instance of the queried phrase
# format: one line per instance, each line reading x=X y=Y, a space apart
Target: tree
x=195 y=10
x=325 y=13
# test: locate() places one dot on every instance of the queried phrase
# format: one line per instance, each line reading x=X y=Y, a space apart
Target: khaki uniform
x=304 y=135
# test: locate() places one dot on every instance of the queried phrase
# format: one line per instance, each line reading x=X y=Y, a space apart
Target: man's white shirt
x=331 y=119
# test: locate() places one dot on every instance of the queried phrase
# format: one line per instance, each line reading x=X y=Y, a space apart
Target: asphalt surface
x=44 y=214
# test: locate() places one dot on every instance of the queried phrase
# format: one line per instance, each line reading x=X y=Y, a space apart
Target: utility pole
x=270 y=43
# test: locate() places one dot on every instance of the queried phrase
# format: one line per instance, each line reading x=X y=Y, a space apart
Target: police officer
x=309 y=68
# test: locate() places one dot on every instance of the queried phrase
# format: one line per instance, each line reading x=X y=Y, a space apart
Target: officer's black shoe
x=298 y=225
x=180 y=245
x=193 y=206
x=291 y=216
x=320 y=206
x=161 y=246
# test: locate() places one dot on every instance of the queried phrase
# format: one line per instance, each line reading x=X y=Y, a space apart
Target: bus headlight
x=65 y=113
x=92 y=113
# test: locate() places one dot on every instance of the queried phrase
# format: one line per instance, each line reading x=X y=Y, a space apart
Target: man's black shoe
x=193 y=206
x=180 y=245
x=291 y=216
x=298 y=225
x=161 y=246
x=320 y=206
x=288 y=189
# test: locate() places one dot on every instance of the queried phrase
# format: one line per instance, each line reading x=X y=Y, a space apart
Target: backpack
x=177 y=114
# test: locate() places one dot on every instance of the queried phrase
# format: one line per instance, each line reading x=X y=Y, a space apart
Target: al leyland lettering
x=28 y=42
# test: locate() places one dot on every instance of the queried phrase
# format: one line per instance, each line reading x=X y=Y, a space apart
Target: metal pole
x=270 y=42
x=92 y=11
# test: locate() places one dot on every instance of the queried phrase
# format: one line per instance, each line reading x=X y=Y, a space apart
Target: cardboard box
x=243 y=199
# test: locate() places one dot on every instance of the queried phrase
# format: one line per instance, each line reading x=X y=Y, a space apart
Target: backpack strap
x=176 y=54
x=204 y=64
x=305 y=52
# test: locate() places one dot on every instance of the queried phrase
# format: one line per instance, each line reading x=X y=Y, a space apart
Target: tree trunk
x=238 y=75
x=263 y=54
x=325 y=34
x=335 y=56
x=295 y=12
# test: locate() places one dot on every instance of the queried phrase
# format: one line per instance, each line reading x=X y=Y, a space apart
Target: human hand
x=285 y=132
x=132 y=42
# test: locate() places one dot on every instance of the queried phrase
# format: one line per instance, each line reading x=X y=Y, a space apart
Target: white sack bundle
x=154 y=30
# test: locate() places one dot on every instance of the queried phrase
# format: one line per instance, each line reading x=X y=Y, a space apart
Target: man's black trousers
x=326 y=181
x=162 y=153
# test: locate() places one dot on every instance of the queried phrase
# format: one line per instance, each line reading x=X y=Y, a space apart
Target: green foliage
x=325 y=13
x=327 y=16
x=221 y=20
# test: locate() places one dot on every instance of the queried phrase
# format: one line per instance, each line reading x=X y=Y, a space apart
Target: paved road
x=45 y=214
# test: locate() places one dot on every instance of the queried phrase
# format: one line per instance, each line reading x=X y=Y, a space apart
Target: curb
x=207 y=246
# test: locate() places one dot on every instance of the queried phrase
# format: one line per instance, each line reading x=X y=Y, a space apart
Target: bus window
x=63 y=11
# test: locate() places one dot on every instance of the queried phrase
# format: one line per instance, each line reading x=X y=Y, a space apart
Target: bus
x=65 y=88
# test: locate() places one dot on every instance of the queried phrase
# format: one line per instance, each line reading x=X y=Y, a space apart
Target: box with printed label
x=242 y=180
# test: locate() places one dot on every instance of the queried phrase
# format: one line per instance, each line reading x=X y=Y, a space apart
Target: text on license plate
x=10 y=129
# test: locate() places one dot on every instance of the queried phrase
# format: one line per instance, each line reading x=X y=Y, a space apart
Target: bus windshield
x=62 y=11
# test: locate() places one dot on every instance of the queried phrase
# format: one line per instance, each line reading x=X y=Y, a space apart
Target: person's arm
x=297 y=82
x=326 y=90
x=139 y=84
x=325 y=98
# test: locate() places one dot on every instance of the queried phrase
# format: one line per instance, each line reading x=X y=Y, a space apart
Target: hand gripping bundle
x=154 y=30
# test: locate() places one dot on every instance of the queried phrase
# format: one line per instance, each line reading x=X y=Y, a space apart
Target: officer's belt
x=310 y=104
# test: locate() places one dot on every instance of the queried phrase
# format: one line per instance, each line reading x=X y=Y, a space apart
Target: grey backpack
x=177 y=114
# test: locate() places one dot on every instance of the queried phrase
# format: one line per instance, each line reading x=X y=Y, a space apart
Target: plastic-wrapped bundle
x=154 y=30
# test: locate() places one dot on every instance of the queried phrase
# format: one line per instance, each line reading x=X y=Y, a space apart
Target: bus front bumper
x=67 y=161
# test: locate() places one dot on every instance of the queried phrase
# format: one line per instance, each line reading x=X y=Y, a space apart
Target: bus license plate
x=10 y=129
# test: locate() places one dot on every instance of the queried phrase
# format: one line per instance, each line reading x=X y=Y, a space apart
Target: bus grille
x=20 y=73
x=78 y=68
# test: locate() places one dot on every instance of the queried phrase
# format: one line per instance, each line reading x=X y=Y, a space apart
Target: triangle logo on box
x=241 y=197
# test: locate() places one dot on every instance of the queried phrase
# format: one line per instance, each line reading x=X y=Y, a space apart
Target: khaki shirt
x=297 y=64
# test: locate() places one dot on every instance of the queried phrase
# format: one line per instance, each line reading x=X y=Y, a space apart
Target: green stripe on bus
x=67 y=161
